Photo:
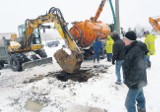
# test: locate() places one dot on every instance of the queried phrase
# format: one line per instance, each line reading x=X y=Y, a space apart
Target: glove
x=150 y=53
x=113 y=62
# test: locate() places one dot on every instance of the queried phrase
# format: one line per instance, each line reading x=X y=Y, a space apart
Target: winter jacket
x=150 y=42
x=118 y=50
x=97 y=47
x=134 y=70
x=109 y=44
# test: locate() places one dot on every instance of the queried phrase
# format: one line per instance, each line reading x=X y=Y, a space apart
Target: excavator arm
x=54 y=16
x=100 y=8
x=155 y=22
x=69 y=63
x=61 y=25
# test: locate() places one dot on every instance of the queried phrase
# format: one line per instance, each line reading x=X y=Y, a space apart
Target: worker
x=97 y=48
x=109 y=47
x=134 y=72
x=122 y=32
x=6 y=40
x=150 y=42
x=118 y=56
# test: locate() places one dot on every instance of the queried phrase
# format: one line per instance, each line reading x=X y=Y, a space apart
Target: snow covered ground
x=38 y=90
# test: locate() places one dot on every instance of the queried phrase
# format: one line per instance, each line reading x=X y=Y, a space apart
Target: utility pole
x=113 y=14
x=117 y=16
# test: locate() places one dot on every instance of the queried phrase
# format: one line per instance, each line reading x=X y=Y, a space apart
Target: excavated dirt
x=83 y=75
x=69 y=63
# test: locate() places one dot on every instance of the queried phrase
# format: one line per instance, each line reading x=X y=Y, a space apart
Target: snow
x=48 y=94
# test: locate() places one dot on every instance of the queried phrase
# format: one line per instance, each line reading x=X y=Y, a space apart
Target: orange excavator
x=87 y=31
x=155 y=22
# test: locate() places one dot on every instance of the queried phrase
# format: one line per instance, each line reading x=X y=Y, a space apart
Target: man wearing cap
x=134 y=72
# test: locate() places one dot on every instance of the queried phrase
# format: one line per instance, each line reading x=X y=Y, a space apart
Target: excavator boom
x=99 y=11
x=155 y=22
x=69 y=63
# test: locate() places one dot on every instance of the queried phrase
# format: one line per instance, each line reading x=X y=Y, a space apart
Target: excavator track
x=69 y=63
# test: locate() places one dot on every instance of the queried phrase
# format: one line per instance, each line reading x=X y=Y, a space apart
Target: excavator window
x=21 y=30
x=36 y=36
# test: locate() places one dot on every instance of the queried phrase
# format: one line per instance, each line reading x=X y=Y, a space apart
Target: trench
x=82 y=75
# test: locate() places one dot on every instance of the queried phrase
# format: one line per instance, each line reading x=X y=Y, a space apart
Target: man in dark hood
x=134 y=72
x=118 y=55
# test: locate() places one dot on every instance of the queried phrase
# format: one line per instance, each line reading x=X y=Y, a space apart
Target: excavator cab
x=36 y=37
x=31 y=42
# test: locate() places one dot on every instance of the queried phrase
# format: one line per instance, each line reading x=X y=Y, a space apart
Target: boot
x=141 y=110
x=149 y=64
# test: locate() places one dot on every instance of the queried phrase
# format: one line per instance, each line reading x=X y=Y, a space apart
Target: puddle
x=33 y=106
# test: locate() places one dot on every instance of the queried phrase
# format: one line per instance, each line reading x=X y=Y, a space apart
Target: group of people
x=132 y=55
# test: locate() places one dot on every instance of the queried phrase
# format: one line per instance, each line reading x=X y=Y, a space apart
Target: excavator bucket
x=37 y=62
x=69 y=63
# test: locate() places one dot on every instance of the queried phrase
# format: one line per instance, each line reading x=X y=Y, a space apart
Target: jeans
x=134 y=95
x=148 y=61
x=96 y=56
x=118 y=70
x=109 y=57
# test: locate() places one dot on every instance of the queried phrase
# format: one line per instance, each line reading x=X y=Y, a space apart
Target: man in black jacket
x=118 y=55
x=134 y=72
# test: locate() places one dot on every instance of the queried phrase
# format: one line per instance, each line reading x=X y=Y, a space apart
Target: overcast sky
x=132 y=12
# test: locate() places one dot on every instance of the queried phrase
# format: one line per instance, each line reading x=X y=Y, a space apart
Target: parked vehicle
x=53 y=43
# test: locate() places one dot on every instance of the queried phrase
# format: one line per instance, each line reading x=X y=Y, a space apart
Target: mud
x=69 y=63
x=82 y=75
